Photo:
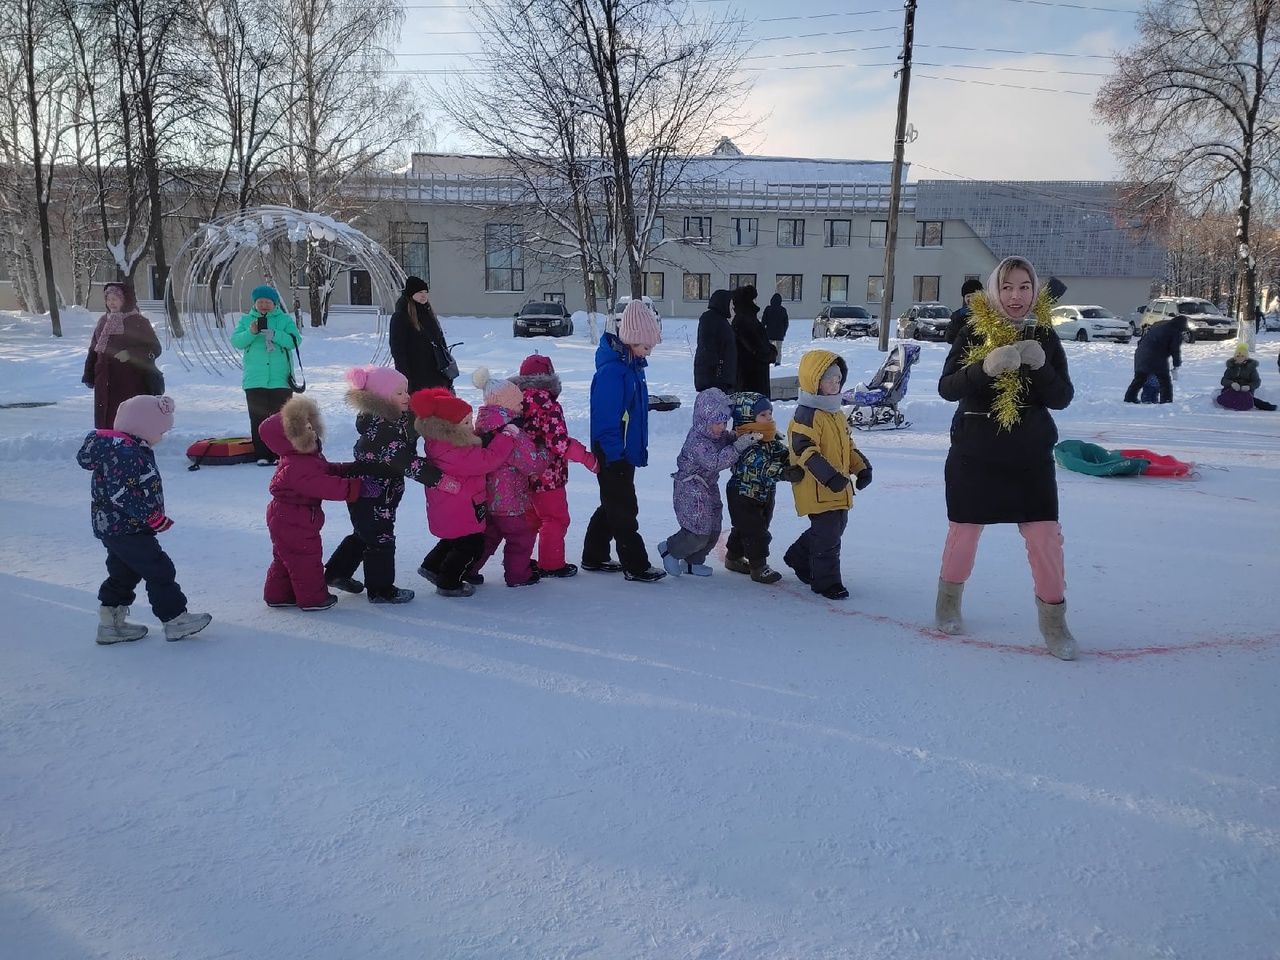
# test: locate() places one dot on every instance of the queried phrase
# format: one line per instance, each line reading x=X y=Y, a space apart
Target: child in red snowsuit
x=544 y=424
x=303 y=479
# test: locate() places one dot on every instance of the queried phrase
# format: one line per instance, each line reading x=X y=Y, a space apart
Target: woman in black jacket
x=1006 y=370
x=755 y=352
x=715 y=362
x=776 y=321
x=1159 y=345
x=418 y=349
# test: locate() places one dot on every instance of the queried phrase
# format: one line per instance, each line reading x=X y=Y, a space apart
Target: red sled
x=220 y=451
x=1162 y=465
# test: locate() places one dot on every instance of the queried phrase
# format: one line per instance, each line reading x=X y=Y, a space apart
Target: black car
x=539 y=318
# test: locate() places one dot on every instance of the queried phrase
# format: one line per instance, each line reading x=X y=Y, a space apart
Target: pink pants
x=517 y=553
x=550 y=519
x=1044 y=550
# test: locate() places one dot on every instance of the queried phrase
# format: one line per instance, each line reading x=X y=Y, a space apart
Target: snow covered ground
x=693 y=769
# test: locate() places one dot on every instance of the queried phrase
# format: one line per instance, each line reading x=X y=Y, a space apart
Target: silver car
x=845 y=321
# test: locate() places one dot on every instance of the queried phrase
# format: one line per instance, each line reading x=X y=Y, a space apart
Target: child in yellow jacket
x=818 y=442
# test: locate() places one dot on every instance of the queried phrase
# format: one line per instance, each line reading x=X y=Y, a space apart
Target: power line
x=1074 y=6
x=1008 y=86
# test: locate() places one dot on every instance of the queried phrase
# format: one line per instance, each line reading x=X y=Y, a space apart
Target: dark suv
x=539 y=318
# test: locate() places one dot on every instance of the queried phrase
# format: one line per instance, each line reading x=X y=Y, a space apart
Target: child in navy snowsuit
x=752 y=487
x=128 y=513
x=386 y=451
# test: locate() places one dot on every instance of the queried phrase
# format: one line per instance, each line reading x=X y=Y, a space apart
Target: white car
x=1089 y=322
x=615 y=315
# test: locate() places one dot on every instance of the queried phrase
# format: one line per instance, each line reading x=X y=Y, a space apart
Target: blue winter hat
x=761 y=405
x=265 y=291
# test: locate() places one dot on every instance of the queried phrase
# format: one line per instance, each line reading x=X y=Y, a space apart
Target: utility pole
x=895 y=188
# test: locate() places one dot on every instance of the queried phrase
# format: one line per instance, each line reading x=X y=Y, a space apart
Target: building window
x=599 y=286
x=655 y=285
x=929 y=233
x=553 y=297
x=697 y=287
x=697 y=228
x=790 y=285
x=503 y=258
x=657 y=232
x=790 y=232
x=835 y=288
x=600 y=232
x=836 y=233
x=925 y=288
x=879 y=232
x=745 y=231
x=972 y=276
x=737 y=280
x=409 y=245
x=875 y=289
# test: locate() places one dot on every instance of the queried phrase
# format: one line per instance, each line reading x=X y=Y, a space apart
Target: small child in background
x=128 y=512
x=509 y=490
x=295 y=515
x=386 y=451
x=710 y=448
x=819 y=442
x=752 y=487
x=1150 y=390
x=456 y=509
x=544 y=423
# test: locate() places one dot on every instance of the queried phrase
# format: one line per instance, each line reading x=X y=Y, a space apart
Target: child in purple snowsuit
x=709 y=449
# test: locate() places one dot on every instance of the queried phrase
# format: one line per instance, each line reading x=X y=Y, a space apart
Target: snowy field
x=694 y=769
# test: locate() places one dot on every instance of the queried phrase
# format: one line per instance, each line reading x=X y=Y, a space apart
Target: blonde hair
x=1010 y=264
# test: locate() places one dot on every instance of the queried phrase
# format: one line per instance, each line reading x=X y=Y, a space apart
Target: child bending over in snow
x=128 y=512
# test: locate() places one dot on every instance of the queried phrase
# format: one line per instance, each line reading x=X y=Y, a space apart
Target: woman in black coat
x=776 y=322
x=755 y=352
x=418 y=349
x=1159 y=345
x=715 y=362
x=1006 y=370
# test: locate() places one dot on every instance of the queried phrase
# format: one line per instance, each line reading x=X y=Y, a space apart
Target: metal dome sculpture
x=224 y=259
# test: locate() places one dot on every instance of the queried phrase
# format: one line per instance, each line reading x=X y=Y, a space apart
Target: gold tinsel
x=997 y=331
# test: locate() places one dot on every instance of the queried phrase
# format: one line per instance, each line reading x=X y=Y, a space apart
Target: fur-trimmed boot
x=1053 y=627
x=947 y=610
x=113 y=628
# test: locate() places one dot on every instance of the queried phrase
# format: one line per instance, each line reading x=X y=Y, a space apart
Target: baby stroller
x=876 y=403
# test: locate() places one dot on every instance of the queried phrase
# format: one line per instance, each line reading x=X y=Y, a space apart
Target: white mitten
x=1235 y=386
x=746 y=440
x=1032 y=353
x=1001 y=359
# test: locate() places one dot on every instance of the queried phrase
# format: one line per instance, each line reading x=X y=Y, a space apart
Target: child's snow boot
x=346 y=584
x=325 y=604
x=463 y=589
x=673 y=565
x=764 y=574
x=185 y=624
x=1053 y=627
x=560 y=573
x=394 y=595
x=736 y=564
x=649 y=575
x=113 y=628
x=836 y=591
x=699 y=569
x=946 y=612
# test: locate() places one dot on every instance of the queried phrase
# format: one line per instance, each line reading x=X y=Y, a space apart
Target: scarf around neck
x=112 y=326
x=821 y=401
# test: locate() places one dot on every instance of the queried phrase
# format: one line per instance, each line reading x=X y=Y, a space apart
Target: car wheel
x=1082 y=336
x=515 y=330
x=915 y=334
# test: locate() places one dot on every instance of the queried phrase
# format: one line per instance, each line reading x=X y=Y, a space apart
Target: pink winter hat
x=497 y=392
x=145 y=416
x=383 y=381
x=536 y=364
x=639 y=327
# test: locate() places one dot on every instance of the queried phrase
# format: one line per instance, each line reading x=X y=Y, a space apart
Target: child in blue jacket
x=128 y=514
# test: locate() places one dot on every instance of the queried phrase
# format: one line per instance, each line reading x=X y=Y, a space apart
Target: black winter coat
x=776 y=319
x=417 y=353
x=715 y=362
x=755 y=352
x=1158 y=346
x=995 y=475
x=958 y=319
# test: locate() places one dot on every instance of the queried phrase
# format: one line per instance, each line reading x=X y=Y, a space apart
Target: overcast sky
x=847 y=111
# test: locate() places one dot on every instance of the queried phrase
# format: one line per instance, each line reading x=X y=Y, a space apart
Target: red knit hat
x=536 y=364
x=439 y=402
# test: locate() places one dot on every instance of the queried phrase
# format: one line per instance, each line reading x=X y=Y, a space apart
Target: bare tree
x=1195 y=103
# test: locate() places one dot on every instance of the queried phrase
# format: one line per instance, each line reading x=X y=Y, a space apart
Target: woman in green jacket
x=267 y=336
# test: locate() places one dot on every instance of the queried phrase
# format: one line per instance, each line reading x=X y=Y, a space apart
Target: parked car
x=925 y=321
x=1271 y=321
x=1089 y=322
x=1204 y=320
x=1134 y=319
x=845 y=321
x=615 y=315
x=538 y=318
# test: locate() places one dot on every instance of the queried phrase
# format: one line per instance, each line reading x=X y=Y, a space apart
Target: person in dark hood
x=715 y=362
x=776 y=322
x=1159 y=345
x=755 y=352
x=417 y=344
x=960 y=317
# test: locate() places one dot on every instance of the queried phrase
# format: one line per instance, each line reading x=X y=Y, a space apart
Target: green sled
x=1096 y=461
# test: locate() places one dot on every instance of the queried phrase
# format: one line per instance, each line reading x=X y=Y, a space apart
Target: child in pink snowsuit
x=510 y=494
x=544 y=423
x=302 y=481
